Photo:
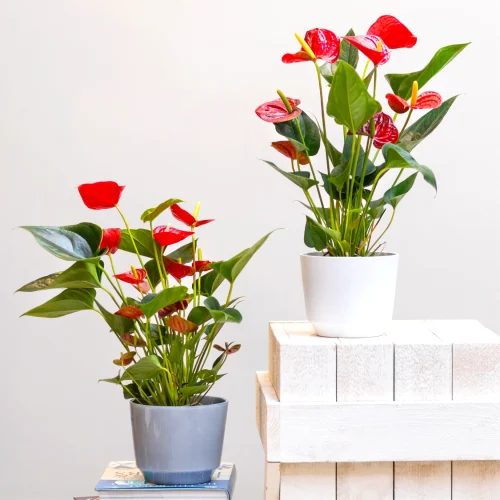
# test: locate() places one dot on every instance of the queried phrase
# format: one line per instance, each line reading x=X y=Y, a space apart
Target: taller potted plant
x=166 y=330
x=345 y=295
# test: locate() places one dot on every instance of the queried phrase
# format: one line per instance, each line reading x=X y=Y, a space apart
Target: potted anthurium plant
x=166 y=329
x=348 y=213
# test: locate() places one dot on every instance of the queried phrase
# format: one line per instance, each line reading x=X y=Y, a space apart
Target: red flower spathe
x=324 y=43
x=101 y=195
x=165 y=235
x=177 y=270
x=276 y=112
x=111 y=239
x=426 y=100
x=287 y=149
x=131 y=278
x=372 y=46
x=393 y=33
x=130 y=312
x=183 y=216
x=385 y=130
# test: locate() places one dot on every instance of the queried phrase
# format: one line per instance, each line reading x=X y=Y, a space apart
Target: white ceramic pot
x=349 y=296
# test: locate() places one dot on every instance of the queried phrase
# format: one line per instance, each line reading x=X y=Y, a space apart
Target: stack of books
x=123 y=481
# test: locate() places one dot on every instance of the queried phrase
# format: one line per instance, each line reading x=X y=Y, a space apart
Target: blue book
x=124 y=481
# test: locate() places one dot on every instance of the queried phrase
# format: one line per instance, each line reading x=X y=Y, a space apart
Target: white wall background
x=159 y=95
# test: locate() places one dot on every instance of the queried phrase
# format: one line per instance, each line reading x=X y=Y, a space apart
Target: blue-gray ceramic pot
x=179 y=444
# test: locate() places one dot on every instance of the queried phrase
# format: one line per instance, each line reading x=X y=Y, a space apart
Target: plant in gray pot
x=349 y=280
x=166 y=318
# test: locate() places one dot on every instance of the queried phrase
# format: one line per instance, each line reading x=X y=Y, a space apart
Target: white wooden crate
x=413 y=414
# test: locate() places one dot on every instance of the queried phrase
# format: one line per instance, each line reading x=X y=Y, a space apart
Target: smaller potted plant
x=166 y=331
x=349 y=280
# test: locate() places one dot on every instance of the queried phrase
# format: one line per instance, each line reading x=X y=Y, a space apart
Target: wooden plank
x=272 y=481
x=364 y=481
x=268 y=417
x=365 y=372
x=476 y=375
x=308 y=481
x=302 y=366
x=422 y=372
x=371 y=432
x=476 y=480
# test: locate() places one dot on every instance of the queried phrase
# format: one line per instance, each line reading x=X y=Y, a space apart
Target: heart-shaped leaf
x=151 y=214
x=299 y=180
x=424 y=126
x=317 y=236
x=77 y=242
x=153 y=302
x=118 y=324
x=143 y=240
x=396 y=157
x=349 y=102
x=401 y=84
x=308 y=135
x=67 y=302
x=230 y=269
x=144 y=369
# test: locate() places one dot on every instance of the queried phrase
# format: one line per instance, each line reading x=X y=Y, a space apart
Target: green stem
x=133 y=242
x=163 y=278
x=384 y=231
x=406 y=122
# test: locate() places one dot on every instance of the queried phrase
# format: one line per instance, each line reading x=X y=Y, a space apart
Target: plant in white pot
x=166 y=330
x=350 y=281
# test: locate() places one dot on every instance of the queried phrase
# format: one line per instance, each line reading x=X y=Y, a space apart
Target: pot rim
x=221 y=402
x=314 y=255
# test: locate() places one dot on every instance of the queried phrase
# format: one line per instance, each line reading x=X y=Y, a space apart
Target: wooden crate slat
x=307 y=481
x=476 y=375
x=365 y=372
x=378 y=432
x=272 y=479
x=422 y=372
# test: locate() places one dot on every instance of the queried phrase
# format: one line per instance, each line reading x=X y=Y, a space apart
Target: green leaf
x=207 y=376
x=212 y=303
x=348 y=52
x=325 y=212
x=368 y=78
x=396 y=193
x=77 y=242
x=143 y=240
x=397 y=157
x=327 y=71
x=339 y=176
x=144 y=369
x=118 y=324
x=151 y=214
x=185 y=253
x=199 y=315
x=153 y=302
x=309 y=130
x=299 y=180
x=209 y=282
x=313 y=236
x=346 y=157
x=401 y=84
x=114 y=380
x=316 y=230
x=82 y=274
x=298 y=145
x=424 y=126
x=231 y=268
x=151 y=268
x=349 y=102
x=190 y=390
x=67 y=302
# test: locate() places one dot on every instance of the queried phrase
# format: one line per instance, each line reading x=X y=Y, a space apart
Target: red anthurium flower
x=397 y=104
x=384 y=34
x=177 y=306
x=183 y=216
x=177 y=270
x=101 y=195
x=372 y=47
x=133 y=340
x=130 y=312
x=428 y=100
x=111 y=240
x=325 y=46
x=133 y=278
x=202 y=265
x=125 y=358
x=288 y=149
x=166 y=235
x=385 y=130
x=393 y=32
x=276 y=112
